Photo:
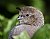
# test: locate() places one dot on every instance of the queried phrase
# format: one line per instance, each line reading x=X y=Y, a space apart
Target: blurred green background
x=9 y=14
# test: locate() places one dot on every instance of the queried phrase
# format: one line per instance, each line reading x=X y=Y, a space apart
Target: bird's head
x=26 y=15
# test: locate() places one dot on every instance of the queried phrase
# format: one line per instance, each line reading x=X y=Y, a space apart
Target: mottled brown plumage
x=31 y=19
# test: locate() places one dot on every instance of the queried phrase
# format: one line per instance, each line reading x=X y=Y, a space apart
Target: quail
x=30 y=18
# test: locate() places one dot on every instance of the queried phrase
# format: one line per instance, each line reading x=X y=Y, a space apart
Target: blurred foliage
x=43 y=33
x=9 y=14
x=23 y=35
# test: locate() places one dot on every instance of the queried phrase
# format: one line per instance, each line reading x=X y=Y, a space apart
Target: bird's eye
x=27 y=15
x=22 y=16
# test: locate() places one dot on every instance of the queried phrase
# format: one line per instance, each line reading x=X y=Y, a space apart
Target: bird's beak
x=19 y=18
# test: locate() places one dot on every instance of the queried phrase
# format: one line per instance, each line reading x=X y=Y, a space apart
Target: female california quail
x=30 y=18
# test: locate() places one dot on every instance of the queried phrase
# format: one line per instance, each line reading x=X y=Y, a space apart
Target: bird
x=30 y=20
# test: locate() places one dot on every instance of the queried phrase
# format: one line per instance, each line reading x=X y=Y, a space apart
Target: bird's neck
x=26 y=24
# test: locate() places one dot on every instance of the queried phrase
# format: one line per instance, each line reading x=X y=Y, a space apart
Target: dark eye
x=27 y=15
x=22 y=16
